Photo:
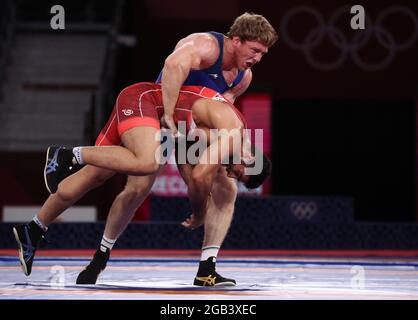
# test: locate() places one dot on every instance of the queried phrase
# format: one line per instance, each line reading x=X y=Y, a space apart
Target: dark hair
x=254 y=181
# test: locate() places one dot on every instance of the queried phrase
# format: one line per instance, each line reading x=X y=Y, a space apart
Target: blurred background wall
x=343 y=102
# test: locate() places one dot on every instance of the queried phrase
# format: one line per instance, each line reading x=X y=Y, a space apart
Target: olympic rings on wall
x=348 y=47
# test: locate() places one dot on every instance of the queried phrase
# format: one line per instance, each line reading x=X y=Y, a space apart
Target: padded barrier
x=259 y=223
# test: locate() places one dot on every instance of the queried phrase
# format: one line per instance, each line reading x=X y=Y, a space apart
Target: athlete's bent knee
x=66 y=194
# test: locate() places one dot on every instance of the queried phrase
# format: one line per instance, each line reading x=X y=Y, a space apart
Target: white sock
x=107 y=244
x=39 y=223
x=78 y=156
x=209 y=251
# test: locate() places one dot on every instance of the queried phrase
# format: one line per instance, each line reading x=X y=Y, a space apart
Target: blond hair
x=253 y=27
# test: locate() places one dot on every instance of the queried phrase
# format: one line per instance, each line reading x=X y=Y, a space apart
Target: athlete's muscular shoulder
x=204 y=45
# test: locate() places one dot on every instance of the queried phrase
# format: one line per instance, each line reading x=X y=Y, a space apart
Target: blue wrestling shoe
x=59 y=165
x=27 y=237
x=207 y=275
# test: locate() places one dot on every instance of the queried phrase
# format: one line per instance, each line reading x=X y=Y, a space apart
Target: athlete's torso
x=212 y=77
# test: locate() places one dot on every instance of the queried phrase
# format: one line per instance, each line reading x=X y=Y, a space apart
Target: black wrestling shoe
x=90 y=274
x=207 y=275
x=58 y=166
x=27 y=237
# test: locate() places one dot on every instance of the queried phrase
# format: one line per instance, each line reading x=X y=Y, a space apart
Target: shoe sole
x=223 y=284
x=45 y=167
x=20 y=249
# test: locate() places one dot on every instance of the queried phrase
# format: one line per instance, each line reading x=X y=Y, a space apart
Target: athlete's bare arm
x=186 y=169
x=238 y=90
x=195 y=52
x=214 y=115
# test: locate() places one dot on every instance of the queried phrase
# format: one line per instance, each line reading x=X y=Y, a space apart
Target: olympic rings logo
x=303 y=210
x=349 y=48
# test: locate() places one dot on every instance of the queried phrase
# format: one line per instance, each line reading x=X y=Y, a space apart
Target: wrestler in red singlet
x=141 y=105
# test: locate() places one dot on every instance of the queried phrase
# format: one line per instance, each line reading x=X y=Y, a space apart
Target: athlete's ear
x=236 y=41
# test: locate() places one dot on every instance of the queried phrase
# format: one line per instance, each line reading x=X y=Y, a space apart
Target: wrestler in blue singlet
x=211 y=77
